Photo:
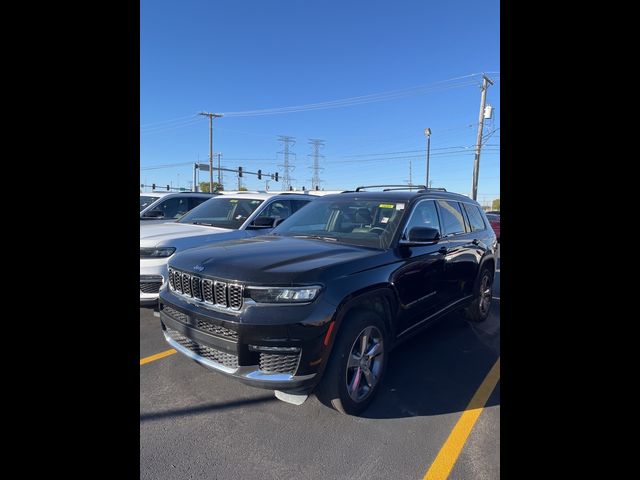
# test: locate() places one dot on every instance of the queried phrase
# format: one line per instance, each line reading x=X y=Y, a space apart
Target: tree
x=496 y=204
x=243 y=189
x=217 y=187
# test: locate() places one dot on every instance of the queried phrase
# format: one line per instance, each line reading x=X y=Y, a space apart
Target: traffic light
x=153 y=186
x=276 y=176
x=167 y=188
x=239 y=171
x=142 y=185
x=259 y=174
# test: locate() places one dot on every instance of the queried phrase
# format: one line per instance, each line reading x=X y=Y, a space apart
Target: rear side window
x=195 y=201
x=298 y=204
x=451 y=217
x=475 y=217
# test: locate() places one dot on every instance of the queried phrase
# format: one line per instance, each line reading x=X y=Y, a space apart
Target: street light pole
x=211 y=117
x=427 y=133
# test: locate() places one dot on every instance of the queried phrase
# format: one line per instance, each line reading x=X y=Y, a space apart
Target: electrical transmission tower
x=315 y=180
x=286 y=178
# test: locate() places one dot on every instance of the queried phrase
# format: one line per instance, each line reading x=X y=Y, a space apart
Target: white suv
x=160 y=207
x=225 y=217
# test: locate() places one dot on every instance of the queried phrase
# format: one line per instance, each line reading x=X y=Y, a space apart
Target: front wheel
x=356 y=365
x=478 y=310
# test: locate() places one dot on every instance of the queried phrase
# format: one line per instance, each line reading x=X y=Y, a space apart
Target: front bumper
x=276 y=356
x=153 y=276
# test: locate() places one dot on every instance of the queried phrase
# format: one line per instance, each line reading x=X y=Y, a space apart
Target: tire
x=333 y=389
x=478 y=310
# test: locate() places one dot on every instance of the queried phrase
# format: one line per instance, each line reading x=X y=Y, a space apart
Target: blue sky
x=239 y=55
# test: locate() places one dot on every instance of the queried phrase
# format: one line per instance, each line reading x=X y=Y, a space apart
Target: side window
x=195 y=201
x=475 y=217
x=174 y=207
x=452 y=218
x=277 y=209
x=424 y=215
x=298 y=204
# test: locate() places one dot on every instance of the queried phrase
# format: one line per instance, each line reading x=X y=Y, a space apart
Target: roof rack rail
x=438 y=189
x=392 y=187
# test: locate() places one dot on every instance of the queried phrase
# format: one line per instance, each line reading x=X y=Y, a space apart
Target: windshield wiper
x=202 y=223
x=316 y=237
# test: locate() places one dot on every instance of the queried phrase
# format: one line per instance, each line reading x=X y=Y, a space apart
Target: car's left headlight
x=160 y=252
x=283 y=294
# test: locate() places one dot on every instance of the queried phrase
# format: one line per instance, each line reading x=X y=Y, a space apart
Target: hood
x=177 y=234
x=275 y=260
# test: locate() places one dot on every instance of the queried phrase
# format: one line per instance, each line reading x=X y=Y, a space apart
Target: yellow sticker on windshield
x=385 y=205
x=233 y=201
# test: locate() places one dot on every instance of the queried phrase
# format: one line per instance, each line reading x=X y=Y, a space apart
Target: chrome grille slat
x=172 y=283
x=207 y=291
x=186 y=284
x=178 y=280
x=235 y=296
x=195 y=288
x=220 y=290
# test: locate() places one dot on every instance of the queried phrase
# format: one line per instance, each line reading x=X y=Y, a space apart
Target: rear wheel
x=356 y=365
x=478 y=310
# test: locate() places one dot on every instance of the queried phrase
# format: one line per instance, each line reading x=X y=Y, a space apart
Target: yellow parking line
x=442 y=465
x=157 y=356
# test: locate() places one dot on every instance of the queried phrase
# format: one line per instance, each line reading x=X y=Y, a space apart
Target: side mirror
x=264 y=222
x=157 y=213
x=422 y=236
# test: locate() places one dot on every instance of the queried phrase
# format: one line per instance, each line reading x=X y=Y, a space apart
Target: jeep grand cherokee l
x=320 y=302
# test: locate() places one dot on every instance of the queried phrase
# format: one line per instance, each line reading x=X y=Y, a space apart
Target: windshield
x=367 y=223
x=145 y=201
x=222 y=212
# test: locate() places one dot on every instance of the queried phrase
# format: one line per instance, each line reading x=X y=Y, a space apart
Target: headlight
x=283 y=294
x=162 y=252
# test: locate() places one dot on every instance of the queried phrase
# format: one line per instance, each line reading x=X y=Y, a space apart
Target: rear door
x=460 y=260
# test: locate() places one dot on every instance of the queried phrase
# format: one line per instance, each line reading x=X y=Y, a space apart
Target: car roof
x=403 y=196
x=265 y=196
x=164 y=194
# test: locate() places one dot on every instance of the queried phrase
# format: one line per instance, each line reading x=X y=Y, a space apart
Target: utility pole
x=476 y=161
x=195 y=185
x=286 y=179
x=427 y=133
x=315 y=180
x=211 y=117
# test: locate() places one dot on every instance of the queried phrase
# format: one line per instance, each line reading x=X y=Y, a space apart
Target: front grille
x=220 y=294
x=217 y=330
x=279 y=363
x=227 y=359
x=176 y=315
x=150 y=287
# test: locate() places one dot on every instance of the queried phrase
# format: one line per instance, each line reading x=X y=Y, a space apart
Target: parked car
x=319 y=302
x=161 y=207
x=220 y=218
x=494 y=220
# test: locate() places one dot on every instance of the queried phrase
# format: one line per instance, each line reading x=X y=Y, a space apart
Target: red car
x=494 y=220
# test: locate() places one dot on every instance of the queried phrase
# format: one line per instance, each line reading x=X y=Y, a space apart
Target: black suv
x=321 y=301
